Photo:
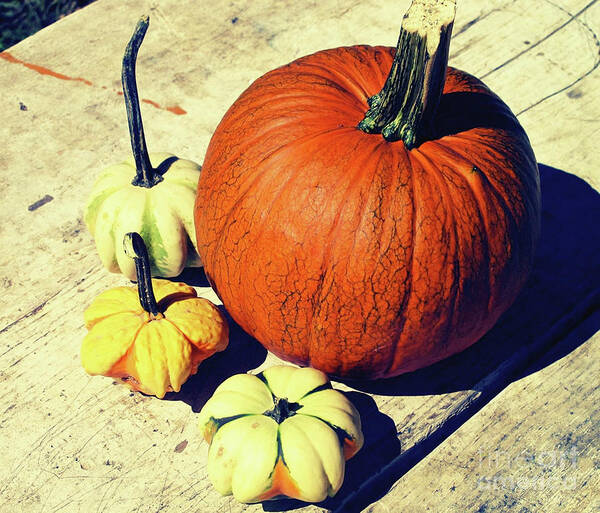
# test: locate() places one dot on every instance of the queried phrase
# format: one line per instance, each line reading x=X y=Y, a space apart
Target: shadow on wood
x=193 y=276
x=559 y=306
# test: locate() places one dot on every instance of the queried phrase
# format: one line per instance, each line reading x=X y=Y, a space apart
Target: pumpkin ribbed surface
x=340 y=250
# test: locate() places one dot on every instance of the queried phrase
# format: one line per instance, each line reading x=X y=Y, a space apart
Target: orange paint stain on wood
x=40 y=69
x=154 y=104
x=174 y=109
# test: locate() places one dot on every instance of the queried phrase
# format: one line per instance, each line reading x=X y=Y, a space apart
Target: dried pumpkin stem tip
x=405 y=107
x=135 y=248
x=146 y=175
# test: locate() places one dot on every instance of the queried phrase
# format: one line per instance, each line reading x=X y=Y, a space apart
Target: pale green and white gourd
x=282 y=433
x=158 y=203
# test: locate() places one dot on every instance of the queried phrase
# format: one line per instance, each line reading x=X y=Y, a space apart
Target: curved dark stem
x=146 y=175
x=136 y=248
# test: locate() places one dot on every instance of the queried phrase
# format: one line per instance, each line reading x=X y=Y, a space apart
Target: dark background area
x=21 y=18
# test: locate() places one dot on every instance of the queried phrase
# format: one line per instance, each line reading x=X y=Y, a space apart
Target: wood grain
x=533 y=448
x=74 y=443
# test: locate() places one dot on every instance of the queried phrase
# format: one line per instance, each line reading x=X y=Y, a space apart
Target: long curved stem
x=146 y=175
x=405 y=107
x=135 y=248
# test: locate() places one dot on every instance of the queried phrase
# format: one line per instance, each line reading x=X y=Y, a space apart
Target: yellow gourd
x=154 y=337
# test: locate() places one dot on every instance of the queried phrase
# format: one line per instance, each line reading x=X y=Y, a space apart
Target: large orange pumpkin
x=358 y=254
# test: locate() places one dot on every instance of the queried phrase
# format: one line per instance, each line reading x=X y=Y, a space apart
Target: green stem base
x=405 y=107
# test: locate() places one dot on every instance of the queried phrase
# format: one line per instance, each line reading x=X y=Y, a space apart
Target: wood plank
x=86 y=445
x=520 y=453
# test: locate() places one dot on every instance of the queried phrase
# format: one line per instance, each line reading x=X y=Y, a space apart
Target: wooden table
x=512 y=424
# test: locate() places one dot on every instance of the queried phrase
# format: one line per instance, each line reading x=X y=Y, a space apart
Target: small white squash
x=162 y=214
x=282 y=433
x=152 y=195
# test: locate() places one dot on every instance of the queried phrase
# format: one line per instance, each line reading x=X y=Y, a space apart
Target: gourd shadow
x=243 y=353
x=380 y=447
x=193 y=276
x=558 y=308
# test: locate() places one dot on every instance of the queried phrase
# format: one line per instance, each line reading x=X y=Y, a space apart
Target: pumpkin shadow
x=558 y=309
x=243 y=354
x=381 y=446
x=165 y=165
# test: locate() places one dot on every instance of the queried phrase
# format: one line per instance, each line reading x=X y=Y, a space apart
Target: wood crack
x=596 y=40
x=573 y=17
x=32 y=312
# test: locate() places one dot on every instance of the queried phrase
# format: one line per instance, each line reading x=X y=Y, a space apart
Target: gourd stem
x=135 y=248
x=282 y=409
x=405 y=107
x=146 y=175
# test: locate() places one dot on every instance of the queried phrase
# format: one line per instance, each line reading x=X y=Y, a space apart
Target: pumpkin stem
x=146 y=175
x=135 y=248
x=405 y=107
x=282 y=409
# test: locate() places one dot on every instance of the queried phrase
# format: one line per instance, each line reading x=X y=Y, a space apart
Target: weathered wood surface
x=74 y=443
x=532 y=448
